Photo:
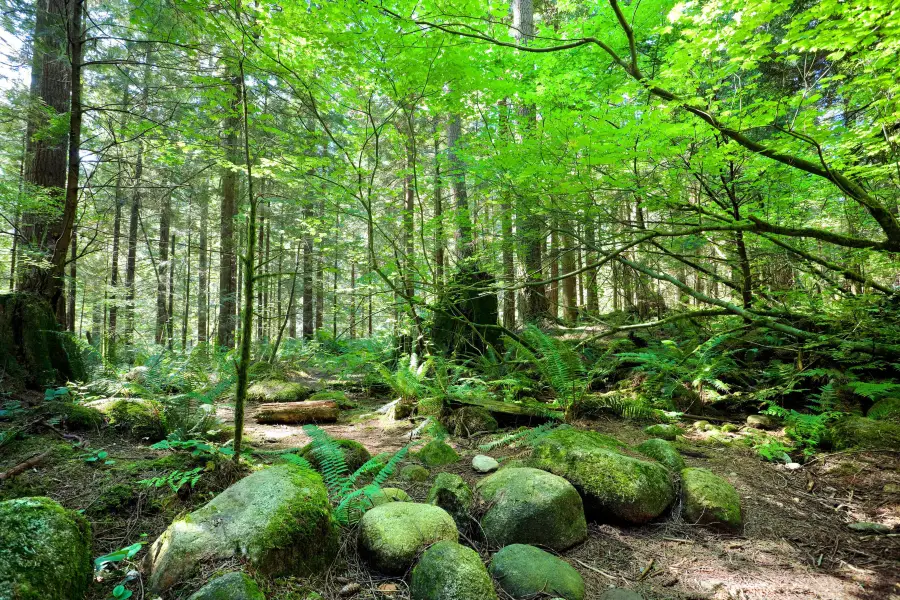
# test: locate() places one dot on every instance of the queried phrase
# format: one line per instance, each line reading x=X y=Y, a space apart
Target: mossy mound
x=454 y=495
x=664 y=431
x=885 y=410
x=710 y=500
x=277 y=519
x=865 y=434
x=414 y=473
x=233 y=586
x=614 y=486
x=664 y=452
x=144 y=419
x=761 y=422
x=393 y=534
x=355 y=454
x=449 y=571
x=527 y=572
x=530 y=506
x=437 y=453
x=472 y=420
x=45 y=551
x=620 y=594
x=76 y=417
x=385 y=495
x=274 y=390
x=336 y=396
x=35 y=353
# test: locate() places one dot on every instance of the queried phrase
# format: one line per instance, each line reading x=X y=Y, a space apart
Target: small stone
x=484 y=464
x=701 y=425
x=792 y=466
x=620 y=594
x=664 y=431
x=761 y=422
x=730 y=428
x=866 y=527
x=414 y=473
x=234 y=586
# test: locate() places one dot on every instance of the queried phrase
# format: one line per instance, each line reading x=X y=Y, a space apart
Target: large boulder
x=437 y=453
x=528 y=572
x=45 y=551
x=614 y=485
x=355 y=454
x=471 y=420
x=664 y=452
x=35 y=354
x=277 y=519
x=233 y=586
x=274 y=390
x=393 y=534
x=710 y=500
x=454 y=495
x=865 y=434
x=449 y=571
x=530 y=506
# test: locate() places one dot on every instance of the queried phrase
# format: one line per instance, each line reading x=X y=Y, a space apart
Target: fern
x=523 y=437
x=619 y=404
x=558 y=364
x=332 y=463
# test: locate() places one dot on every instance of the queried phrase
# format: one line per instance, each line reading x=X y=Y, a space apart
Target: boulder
x=273 y=390
x=664 y=431
x=471 y=420
x=761 y=422
x=355 y=454
x=454 y=495
x=664 y=452
x=277 y=519
x=449 y=571
x=730 y=428
x=143 y=419
x=886 y=410
x=484 y=464
x=76 y=417
x=393 y=534
x=437 y=453
x=615 y=486
x=710 y=500
x=45 y=551
x=865 y=434
x=415 y=473
x=530 y=506
x=35 y=353
x=233 y=586
x=702 y=425
x=385 y=495
x=528 y=572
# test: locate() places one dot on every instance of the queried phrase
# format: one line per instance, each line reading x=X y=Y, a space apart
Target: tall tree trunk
x=569 y=294
x=185 y=319
x=553 y=260
x=464 y=239
x=262 y=262
x=134 y=216
x=162 y=271
x=353 y=300
x=112 y=323
x=170 y=307
x=202 y=297
x=438 y=213
x=228 y=261
x=308 y=322
x=320 y=274
x=73 y=273
x=590 y=280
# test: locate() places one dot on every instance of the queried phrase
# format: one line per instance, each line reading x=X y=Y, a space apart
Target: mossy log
x=516 y=409
x=316 y=411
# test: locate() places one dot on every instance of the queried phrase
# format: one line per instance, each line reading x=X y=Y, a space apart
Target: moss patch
x=865 y=434
x=393 y=534
x=76 y=417
x=233 y=586
x=45 y=550
x=886 y=410
x=710 y=500
x=437 y=453
x=144 y=419
x=273 y=390
x=337 y=396
x=528 y=572
x=664 y=431
x=664 y=452
x=415 y=473
x=449 y=571
x=454 y=495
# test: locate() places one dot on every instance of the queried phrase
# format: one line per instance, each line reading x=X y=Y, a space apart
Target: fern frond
x=330 y=456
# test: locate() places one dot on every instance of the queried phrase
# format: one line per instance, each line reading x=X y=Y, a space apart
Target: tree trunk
x=320 y=274
x=112 y=323
x=311 y=411
x=202 y=297
x=73 y=273
x=464 y=247
x=308 y=322
x=228 y=260
x=438 y=213
x=569 y=294
x=162 y=272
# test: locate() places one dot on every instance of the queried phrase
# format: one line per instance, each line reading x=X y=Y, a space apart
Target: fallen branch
x=24 y=466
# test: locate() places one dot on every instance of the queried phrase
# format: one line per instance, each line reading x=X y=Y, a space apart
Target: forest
x=449 y=300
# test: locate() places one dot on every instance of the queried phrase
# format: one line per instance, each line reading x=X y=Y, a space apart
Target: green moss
x=393 y=534
x=664 y=431
x=437 y=453
x=416 y=473
x=528 y=572
x=343 y=402
x=530 y=506
x=865 y=434
x=886 y=410
x=615 y=486
x=355 y=454
x=730 y=428
x=454 y=495
x=449 y=571
x=385 y=495
x=76 y=417
x=272 y=390
x=45 y=551
x=664 y=452
x=144 y=419
x=115 y=498
x=709 y=499
x=232 y=586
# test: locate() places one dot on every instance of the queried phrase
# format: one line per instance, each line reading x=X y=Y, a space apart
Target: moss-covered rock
x=277 y=519
x=528 y=572
x=614 y=486
x=437 y=453
x=45 y=551
x=886 y=410
x=730 y=428
x=472 y=420
x=484 y=464
x=76 y=417
x=355 y=454
x=761 y=422
x=385 y=495
x=710 y=500
x=454 y=495
x=664 y=431
x=144 y=419
x=530 y=506
x=232 y=586
x=336 y=396
x=274 y=390
x=865 y=434
x=664 y=452
x=449 y=571
x=414 y=473
x=393 y=534
x=620 y=594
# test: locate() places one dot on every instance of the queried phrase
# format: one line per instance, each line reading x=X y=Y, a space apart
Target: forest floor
x=796 y=543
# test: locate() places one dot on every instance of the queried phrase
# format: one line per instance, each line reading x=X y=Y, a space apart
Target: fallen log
x=314 y=411
x=515 y=409
x=24 y=466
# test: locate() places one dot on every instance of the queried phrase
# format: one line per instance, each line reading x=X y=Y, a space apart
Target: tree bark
x=202 y=297
x=162 y=271
x=311 y=411
x=228 y=260
x=464 y=239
